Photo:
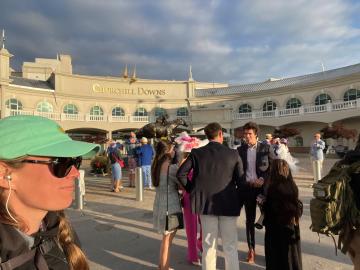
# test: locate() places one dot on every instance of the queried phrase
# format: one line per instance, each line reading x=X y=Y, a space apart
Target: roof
x=273 y=84
x=31 y=83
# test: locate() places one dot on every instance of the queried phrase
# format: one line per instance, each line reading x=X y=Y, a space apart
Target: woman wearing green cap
x=38 y=165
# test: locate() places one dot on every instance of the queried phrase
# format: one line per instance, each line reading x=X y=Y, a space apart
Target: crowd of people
x=204 y=185
x=215 y=183
x=200 y=185
x=139 y=154
x=209 y=183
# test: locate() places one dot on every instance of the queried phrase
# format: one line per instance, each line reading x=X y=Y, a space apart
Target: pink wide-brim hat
x=187 y=143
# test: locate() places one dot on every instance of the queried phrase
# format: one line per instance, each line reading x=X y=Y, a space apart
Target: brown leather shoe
x=251 y=256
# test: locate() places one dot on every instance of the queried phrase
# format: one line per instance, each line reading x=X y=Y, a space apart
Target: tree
x=285 y=132
x=338 y=131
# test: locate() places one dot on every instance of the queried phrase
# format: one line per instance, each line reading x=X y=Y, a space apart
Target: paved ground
x=116 y=231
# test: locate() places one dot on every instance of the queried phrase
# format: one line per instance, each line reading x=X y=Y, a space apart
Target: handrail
x=307 y=109
x=303 y=110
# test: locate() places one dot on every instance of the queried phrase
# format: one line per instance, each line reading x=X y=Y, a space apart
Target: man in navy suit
x=255 y=158
x=217 y=176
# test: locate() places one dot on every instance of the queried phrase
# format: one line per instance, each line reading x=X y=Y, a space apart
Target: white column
x=79 y=190
x=109 y=135
x=139 y=184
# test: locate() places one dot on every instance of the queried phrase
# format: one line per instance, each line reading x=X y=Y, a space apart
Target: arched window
x=140 y=112
x=351 y=94
x=96 y=110
x=118 y=111
x=269 y=106
x=13 y=104
x=245 y=108
x=183 y=111
x=322 y=99
x=70 y=109
x=160 y=112
x=293 y=103
x=44 y=106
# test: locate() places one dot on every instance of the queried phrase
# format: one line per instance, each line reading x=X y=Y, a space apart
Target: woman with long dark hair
x=164 y=180
x=282 y=210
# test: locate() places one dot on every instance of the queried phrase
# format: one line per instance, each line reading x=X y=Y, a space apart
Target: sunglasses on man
x=59 y=167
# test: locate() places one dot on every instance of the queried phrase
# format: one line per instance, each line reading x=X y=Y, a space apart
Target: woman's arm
x=182 y=174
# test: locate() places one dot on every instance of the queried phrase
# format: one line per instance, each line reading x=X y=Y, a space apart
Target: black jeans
x=248 y=199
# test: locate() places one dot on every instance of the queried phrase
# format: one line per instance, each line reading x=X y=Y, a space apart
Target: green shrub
x=100 y=165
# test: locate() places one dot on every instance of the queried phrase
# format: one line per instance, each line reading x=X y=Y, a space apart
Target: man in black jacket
x=217 y=175
x=255 y=158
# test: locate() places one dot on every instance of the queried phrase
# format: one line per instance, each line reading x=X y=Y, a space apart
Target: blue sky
x=225 y=41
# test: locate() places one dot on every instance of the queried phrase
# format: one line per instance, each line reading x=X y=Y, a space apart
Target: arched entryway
x=91 y=135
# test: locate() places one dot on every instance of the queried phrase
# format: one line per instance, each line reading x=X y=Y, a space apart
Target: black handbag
x=176 y=220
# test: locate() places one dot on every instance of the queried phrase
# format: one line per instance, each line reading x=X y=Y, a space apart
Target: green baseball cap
x=25 y=135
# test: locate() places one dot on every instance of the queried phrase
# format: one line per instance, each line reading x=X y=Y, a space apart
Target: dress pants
x=315 y=163
x=249 y=201
x=211 y=227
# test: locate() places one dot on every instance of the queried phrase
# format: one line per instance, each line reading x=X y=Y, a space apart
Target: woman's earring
x=8 y=177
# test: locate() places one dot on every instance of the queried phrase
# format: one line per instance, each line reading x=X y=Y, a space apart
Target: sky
x=231 y=41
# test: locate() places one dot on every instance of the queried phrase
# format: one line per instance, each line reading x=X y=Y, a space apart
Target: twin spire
x=133 y=77
x=190 y=74
x=125 y=73
x=3 y=39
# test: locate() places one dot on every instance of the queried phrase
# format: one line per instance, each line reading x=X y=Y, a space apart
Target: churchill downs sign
x=97 y=88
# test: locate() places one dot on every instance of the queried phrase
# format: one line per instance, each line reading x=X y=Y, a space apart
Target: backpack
x=23 y=258
x=333 y=209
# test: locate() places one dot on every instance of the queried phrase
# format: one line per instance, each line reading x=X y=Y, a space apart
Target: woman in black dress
x=282 y=210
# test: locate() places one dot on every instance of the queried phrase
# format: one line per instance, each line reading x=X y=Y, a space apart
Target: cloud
x=227 y=41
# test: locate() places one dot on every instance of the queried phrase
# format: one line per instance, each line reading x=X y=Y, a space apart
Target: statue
x=161 y=128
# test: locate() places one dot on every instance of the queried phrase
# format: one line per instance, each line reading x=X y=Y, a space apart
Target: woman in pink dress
x=192 y=221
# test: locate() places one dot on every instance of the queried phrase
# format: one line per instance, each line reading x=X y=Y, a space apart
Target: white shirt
x=251 y=164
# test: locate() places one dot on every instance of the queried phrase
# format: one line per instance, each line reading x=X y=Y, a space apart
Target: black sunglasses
x=59 y=167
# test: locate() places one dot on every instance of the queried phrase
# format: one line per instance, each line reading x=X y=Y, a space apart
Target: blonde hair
x=74 y=255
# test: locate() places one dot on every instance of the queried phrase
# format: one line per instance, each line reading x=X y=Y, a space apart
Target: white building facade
x=106 y=105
